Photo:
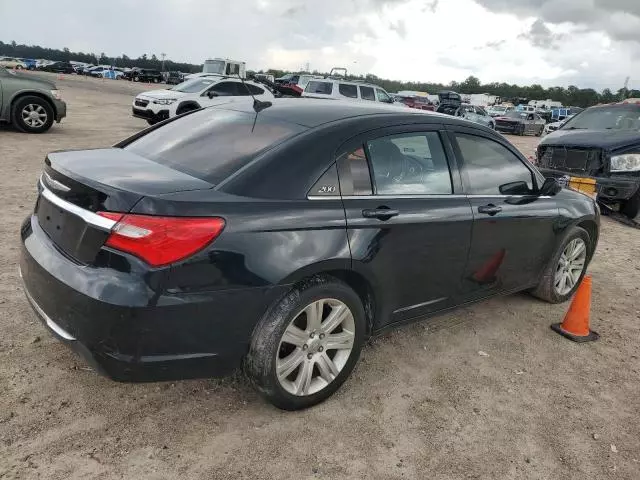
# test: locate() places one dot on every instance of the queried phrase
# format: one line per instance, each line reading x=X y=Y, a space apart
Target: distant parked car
x=158 y=105
x=449 y=102
x=520 y=123
x=112 y=73
x=11 y=62
x=416 y=101
x=29 y=103
x=345 y=90
x=476 y=114
x=144 y=75
x=57 y=67
x=175 y=78
x=29 y=62
x=552 y=127
x=295 y=84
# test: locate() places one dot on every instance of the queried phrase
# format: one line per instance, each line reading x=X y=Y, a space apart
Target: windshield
x=212 y=143
x=615 y=117
x=517 y=115
x=214 y=66
x=194 y=86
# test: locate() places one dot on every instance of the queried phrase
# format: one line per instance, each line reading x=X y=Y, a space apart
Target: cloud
x=541 y=36
x=399 y=27
x=618 y=19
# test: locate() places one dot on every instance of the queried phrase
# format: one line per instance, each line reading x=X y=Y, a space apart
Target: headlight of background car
x=629 y=162
x=56 y=94
x=165 y=101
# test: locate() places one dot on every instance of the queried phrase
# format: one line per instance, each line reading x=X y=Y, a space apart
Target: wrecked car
x=520 y=123
x=602 y=143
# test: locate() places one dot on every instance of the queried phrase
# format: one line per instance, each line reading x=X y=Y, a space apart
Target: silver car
x=476 y=114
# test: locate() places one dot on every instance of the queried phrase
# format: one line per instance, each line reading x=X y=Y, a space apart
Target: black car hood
x=607 y=139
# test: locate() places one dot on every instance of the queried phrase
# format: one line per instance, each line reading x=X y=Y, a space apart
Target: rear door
x=408 y=224
x=513 y=228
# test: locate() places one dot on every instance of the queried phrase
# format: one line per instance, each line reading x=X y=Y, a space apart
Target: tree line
x=569 y=96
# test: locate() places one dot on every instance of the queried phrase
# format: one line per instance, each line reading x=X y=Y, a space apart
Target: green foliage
x=570 y=96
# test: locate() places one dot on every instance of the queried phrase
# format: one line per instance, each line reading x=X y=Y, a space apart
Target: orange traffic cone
x=575 y=325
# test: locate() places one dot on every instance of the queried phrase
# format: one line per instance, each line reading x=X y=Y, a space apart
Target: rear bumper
x=611 y=189
x=129 y=330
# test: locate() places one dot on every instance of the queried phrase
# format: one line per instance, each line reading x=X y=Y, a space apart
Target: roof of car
x=312 y=112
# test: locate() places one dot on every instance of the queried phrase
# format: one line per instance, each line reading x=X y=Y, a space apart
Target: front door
x=513 y=230
x=408 y=224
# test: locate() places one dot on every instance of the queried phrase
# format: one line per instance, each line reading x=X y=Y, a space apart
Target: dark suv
x=144 y=75
x=602 y=143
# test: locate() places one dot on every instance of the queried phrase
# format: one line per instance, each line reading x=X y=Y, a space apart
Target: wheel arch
x=340 y=270
x=187 y=103
x=591 y=228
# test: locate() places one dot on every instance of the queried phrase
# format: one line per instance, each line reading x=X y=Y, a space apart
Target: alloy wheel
x=34 y=115
x=570 y=266
x=315 y=347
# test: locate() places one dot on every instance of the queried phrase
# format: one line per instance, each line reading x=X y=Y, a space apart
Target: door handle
x=490 y=209
x=380 y=213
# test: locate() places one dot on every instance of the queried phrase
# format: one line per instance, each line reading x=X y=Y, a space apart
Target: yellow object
x=584 y=185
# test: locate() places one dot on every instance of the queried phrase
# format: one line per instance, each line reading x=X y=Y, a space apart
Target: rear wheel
x=32 y=115
x=307 y=344
x=564 y=272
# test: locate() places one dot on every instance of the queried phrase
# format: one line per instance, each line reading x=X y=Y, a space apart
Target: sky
x=587 y=43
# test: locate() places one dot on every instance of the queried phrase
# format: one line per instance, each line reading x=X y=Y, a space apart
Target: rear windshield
x=212 y=143
x=319 y=87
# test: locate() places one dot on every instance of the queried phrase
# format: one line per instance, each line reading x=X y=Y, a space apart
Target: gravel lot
x=423 y=403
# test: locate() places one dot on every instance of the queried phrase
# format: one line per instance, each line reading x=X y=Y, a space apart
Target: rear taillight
x=160 y=241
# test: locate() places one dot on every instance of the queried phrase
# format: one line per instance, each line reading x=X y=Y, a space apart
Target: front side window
x=347 y=90
x=228 y=89
x=366 y=93
x=408 y=164
x=492 y=169
x=382 y=96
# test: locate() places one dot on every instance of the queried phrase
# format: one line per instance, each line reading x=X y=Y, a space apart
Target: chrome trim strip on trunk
x=89 y=217
x=50 y=323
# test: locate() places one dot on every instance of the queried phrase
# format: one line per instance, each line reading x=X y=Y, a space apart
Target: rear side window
x=347 y=90
x=366 y=93
x=212 y=143
x=324 y=88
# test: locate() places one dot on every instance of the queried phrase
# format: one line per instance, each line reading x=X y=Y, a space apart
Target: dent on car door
x=407 y=223
x=514 y=228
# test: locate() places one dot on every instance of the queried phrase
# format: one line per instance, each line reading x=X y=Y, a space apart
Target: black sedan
x=57 y=67
x=280 y=238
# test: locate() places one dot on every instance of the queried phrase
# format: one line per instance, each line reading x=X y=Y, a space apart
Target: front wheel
x=631 y=207
x=563 y=274
x=32 y=115
x=307 y=344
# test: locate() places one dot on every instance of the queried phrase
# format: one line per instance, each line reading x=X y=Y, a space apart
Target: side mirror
x=211 y=94
x=550 y=187
x=514 y=188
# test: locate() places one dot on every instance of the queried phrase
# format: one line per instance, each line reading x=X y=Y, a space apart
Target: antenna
x=258 y=105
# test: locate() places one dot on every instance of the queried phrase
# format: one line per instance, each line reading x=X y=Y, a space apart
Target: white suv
x=345 y=90
x=158 y=105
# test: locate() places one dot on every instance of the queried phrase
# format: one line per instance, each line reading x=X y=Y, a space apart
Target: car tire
x=42 y=119
x=136 y=79
x=270 y=351
x=547 y=289
x=19 y=67
x=631 y=207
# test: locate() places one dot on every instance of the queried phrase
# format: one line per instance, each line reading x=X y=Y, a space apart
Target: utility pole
x=163 y=55
x=625 y=89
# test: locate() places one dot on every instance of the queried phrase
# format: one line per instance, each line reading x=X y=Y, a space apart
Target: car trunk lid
x=76 y=185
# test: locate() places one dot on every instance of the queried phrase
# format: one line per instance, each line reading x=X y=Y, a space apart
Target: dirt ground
x=423 y=402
